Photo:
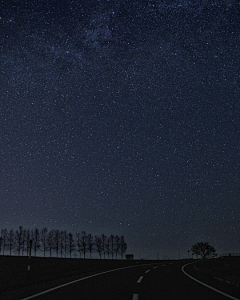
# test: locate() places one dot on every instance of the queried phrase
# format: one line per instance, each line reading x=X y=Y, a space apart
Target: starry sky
x=122 y=117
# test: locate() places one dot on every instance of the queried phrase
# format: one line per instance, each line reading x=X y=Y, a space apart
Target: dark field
x=224 y=269
x=14 y=270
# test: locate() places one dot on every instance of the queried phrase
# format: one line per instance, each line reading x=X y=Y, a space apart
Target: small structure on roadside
x=129 y=256
x=230 y=255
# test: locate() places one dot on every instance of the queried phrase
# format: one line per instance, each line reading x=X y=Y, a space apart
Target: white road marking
x=208 y=286
x=81 y=279
x=135 y=297
x=140 y=279
x=155 y=267
x=163 y=265
x=147 y=271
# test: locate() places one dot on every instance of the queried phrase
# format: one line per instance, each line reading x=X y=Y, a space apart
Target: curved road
x=163 y=281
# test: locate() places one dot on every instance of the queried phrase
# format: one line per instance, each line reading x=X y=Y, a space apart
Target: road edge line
x=80 y=279
x=206 y=285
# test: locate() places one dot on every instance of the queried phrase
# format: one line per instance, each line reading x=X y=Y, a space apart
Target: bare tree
x=4 y=237
x=65 y=243
x=36 y=240
x=18 y=239
x=90 y=244
x=123 y=246
x=28 y=239
x=50 y=241
x=108 y=247
x=83 y=242
x=43 y=239
x=56 y=240
x=24 y=241
x=11 y=241
x=61 y=242
x=112 y=240
x=117 y=245
x=71 y=244
x=99 y=245
x=104 y=241
x=78 y=243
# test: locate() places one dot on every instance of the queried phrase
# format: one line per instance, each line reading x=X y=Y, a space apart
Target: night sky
x=122 y=117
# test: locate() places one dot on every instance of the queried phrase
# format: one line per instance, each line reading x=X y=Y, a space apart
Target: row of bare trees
x=60 y=243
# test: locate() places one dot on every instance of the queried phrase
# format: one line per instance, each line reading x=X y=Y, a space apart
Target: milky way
x=122 y=117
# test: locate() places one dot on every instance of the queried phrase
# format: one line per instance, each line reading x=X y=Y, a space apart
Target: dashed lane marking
x=147 y=271
x=140 y=279
x=81 y=279
x=135 y=297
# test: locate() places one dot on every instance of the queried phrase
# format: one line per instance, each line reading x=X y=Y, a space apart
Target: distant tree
x=83 y=242
x=71 y=244
x=50 y=241
x=36 y=240
x=104 y=241
x=78 y=243
x=90 y=244
x=99 y=245
x=18 y=239
x=43 y=239
x=123 y=246
x=108 y=247
x=112 y=244
x=61 y=242
x=65 y=234
x=24 y=241
x=117 y=245
x=4 y=237
x=56 y=241
x=28 y=239
x=204 y=250
x=11 y=241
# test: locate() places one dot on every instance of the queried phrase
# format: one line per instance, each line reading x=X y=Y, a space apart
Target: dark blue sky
x=122 y=117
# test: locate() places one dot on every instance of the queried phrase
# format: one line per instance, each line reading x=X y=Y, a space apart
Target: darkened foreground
x=14 y=270
x=225 y=269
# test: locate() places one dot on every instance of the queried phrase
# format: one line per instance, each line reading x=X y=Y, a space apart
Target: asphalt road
x=163 y=281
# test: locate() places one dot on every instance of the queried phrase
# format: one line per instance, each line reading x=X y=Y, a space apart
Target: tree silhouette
x=83 y=242
x=44 y=232
x=4 y=238
x=11 y=241
x=104 y=241
x=71 y=244
x=123 y=246
x=90 y=244
x=36 y=240
x=204 y=250
x=112 y=240
x=18 y=239
x=60 y=241
x=78 y=243
x=99 y=245
x=56 y=241
x=108 y=247
x=50 y=241
x=117 y=245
